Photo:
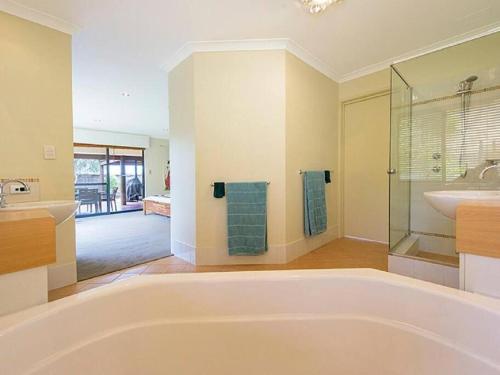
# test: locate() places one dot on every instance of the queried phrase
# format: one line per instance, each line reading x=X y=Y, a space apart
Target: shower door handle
x=391 y=171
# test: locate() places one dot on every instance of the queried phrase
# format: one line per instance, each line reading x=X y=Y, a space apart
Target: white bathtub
x=282 y=322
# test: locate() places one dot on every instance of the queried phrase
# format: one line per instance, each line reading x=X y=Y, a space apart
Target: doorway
x=112 y=231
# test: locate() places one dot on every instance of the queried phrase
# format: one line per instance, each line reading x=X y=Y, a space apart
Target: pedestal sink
x=61 y=210
x=446 y=202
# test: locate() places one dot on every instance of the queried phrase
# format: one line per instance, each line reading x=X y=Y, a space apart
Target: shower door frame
x=394 y=170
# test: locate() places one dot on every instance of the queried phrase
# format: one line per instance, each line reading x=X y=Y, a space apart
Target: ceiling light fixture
x=316 y=6
x=125 y=94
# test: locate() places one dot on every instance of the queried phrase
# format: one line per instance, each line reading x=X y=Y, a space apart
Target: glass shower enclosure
x=400 y=155
x=445 y=130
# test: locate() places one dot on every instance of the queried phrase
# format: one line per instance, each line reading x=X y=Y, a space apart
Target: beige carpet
x=110 y=243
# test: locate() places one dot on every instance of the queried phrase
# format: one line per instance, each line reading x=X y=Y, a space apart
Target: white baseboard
x=298 y=248
x=184 y=251
x=276 y=254
x=211 y=256
x=60 y=275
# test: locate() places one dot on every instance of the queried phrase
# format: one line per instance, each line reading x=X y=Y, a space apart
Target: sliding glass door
x=108 y=180
x=126 y=170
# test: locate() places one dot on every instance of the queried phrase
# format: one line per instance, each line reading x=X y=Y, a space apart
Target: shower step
x=439 y=258
x=409 y=246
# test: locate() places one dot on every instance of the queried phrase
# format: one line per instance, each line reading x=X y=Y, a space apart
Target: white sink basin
x=446 y=202
x=61 y=210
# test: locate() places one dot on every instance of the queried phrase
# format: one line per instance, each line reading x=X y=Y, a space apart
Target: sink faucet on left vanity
x=27 y=242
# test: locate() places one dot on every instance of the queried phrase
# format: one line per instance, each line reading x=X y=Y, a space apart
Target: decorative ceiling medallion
x=317 y=6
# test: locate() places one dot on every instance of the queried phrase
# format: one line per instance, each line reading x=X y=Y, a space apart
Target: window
x=437 y=140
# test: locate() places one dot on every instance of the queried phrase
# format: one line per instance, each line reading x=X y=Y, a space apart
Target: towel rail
x=302 y=172
x=267 y=182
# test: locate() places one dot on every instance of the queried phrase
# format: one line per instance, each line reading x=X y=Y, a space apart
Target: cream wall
x=156 y=157
x=364 y=156
x=311 y=144
x=240 y=136
x=183 y=160
x=365 y=85
x=257 y=116
x=36 y=110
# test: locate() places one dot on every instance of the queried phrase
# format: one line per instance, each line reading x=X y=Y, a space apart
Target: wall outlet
x=49 y=152
x=18 y=189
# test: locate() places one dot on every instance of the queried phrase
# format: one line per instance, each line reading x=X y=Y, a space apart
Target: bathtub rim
x=34 y=314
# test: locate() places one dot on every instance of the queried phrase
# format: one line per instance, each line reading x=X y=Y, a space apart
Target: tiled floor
x=342 y=253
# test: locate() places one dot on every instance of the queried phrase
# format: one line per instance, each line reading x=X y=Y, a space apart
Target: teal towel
x=314 y=203
x=246 y=218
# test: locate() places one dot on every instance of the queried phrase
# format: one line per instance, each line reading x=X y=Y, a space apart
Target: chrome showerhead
x=466 y=85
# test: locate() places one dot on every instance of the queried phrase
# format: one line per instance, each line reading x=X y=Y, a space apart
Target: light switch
x=49 y=152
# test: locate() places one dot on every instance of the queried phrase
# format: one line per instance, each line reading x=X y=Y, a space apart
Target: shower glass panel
x=399 y=171
x=445 y=130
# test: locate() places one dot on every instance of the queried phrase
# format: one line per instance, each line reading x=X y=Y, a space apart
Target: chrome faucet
x=493 y=164
x=3 y=195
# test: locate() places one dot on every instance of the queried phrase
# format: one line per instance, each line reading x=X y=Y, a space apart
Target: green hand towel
x=246 y=218
x=315 y=221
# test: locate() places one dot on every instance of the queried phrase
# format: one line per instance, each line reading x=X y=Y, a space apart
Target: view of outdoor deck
x=108 y=179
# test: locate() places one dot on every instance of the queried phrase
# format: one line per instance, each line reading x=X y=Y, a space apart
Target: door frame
x=341 y=147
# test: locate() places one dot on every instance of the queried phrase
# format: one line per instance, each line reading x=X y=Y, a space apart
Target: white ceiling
x=123 y=45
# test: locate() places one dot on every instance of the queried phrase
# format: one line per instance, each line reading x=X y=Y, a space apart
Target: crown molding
x=14 y=8
x=450 y=42
x=30 y=14
x=308 y=58
x=251 y=45
x=291 y=46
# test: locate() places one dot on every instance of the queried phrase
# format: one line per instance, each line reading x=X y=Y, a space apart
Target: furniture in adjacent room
x=90 y=198
x=112 y=198
x=157 y=204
